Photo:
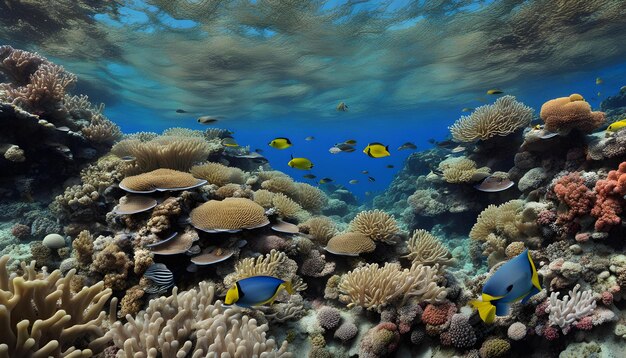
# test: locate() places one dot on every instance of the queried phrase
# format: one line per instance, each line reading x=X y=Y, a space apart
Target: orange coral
x=566 y=113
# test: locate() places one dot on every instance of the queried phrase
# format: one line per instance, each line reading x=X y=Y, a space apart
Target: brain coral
x=161 y=180
x=377 y=225
x=499 y=119
x=230 y=214
x=566 y=113
x=350 y=244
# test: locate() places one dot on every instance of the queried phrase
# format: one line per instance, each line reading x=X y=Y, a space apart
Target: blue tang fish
x=515 y=280
x=256 y=291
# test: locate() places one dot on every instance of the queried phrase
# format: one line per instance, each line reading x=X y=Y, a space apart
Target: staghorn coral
x=171 y=152
x=609 y=199
x=377 y=225
x=102 y=131
x=426 y=249
x=42 y=317
x=462 y=170
x=563 y=313
x=218 y=174
x=564 y=114
x=502 y=118
x=192 y=323
x=230 y=214
x=320 y=229
x=375 y=287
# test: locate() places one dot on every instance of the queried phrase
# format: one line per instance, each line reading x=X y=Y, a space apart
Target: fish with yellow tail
x=515 y=280
x=300 y=163
x=377 y=150
x=616 y=126
x=256 y=291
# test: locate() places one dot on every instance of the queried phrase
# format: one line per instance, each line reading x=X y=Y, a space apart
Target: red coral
x=438 y=314
x=572 y=191
x=610 y=192
x=550 y=333
x=540 y=310
x=546 y=217
x=585 y=324
x=607 y=298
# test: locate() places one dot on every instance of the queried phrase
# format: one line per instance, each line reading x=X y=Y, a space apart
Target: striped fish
x=161 y=278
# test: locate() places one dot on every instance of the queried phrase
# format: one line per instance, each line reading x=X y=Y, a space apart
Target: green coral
x=495 y=348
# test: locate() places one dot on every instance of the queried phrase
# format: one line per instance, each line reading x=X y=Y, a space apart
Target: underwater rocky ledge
x=126 y=244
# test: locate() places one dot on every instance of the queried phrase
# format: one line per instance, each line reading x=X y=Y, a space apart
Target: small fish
x=515 y=280
x=334 y=150
x=368 y=193
x=256 y=291
x=390 y=166
x=495 y=91
x=458 y=149
x=372 y=179
x=364 y=172
x=353 y=181
x=280 y=143
x=344 y=147
x=300 y=163
x=614 y=127
x=208 y=119
x=342 y=107
x=446 y=144
x=181 y=111
x=432 y=141
x=128 y=158
x=599 y=94
x=599 y=81
x=350 y=142
x=63 y=129
x=538 y=127
x=325 y=180
x=377 y=150
x=309 y=176
x=259 y=150
x=229 y=142
x=468 y=109
x=309 y=138
x=408 y=145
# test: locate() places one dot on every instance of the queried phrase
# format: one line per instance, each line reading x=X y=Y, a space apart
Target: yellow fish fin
x=486 y=310
x=288 y=287
x=535 y=276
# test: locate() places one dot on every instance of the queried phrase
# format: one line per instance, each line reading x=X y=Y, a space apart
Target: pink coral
x=607 y=298
x=438 y=314
x=584 y=324
x=610 y=192
x=572 y=191
x=380 y=341
x=546 y=217
x=550 y=333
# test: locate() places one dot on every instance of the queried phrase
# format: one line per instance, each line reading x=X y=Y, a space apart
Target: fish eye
x=508 y=289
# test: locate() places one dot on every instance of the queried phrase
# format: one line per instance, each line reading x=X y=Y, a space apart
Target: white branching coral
x=565 y=312
x=191 y=324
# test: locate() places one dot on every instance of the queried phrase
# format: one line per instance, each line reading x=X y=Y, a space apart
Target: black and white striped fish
x=161 y=278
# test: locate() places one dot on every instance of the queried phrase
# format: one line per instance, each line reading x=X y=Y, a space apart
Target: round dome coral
x=160 y=180
x=350 y=244
x=228 y=215
x=567 y=113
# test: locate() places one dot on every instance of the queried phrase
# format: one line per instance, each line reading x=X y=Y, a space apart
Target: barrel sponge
x=41 y=316
x=566 y=113
x=218 y=174
x=503 y=117
x=159 y=179
x=228 y=214
x=350 y=244
x=203 y=327
x=377 y=225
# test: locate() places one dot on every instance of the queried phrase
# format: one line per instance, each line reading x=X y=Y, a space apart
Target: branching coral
x=191 y=323
x=610 y=198
x=502 y=118
x=377 y=225
x=218 y=174
x=566 y=113
x=102 y=131
x=426 y=249
x=42 y=317
x=374 y=287
x=565 y=312
x=462 y=170
x=320 y=228
x=572 y=191
x=499 y=220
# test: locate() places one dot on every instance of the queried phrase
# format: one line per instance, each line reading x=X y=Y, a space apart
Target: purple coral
x=346 y=331
x=461 y=334
x=328 y=317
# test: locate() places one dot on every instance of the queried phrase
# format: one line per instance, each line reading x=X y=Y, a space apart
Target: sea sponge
x=426 y=249
x=609 y=199
x=517 y=331
x=159 y=179
x=346 y=331
x=13 y=153
x=503 y=117
x=350 y=244
x=230 y=214
x=328 y=317
x=285 y=207
x=438 y=314
x=380 y=341
x=377 y=225
x=311 y=199
x=315 y=265
x=218 y=174
x=171 y=152
x=320 y=229
x=462 y=170
x=566 y=113
x=375 y=287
